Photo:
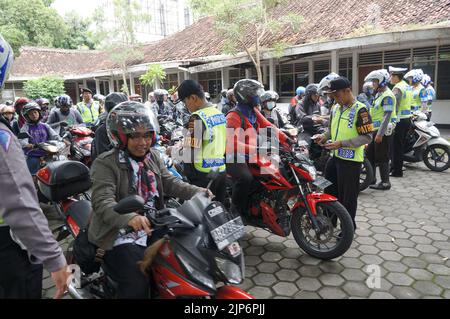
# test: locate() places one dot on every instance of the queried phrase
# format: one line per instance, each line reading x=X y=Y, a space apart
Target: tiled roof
x=324 y=20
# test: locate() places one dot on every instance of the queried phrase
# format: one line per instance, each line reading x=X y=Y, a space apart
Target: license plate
x=322 y=182
x=228 y=233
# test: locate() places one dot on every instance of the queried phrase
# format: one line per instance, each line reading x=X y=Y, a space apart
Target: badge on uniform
x=5 y=139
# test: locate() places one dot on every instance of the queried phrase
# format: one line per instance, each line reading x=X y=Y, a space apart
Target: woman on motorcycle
x=270 y=110
x=39 y=133
x=131 y=168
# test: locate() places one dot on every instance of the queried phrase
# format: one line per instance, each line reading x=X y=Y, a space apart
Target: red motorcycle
x=289 y=197
x=81 y=139
x=198 y=255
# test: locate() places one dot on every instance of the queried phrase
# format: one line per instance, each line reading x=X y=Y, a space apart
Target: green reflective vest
x=416 y=102
x=377 y=110
x=2 y=223
x=404 y=108
x=343 y=127
x=212 y=153
x=89 y=115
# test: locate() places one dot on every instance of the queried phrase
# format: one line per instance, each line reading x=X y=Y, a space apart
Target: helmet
x=426 y=80
x=113 y=99
x=416 y=75
x=368 y=87
x=20 y=102
x=381 y=75
x=6 y=60
x=223 y=93
x=127 y=118
x=30 y=107
x=248 y=91
x=9 y=102
x=325 y=82
x=99 y=98
x=300 y=90
x=63 y=100
x=311 y=89
x=269 y=96
x=207 y=96
x=397 y=71
x=230 y=93
x=41 y=101
x=159 y=95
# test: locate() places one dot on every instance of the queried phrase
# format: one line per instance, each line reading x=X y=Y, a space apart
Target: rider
x=384 y=116
x=100 y=99
x=270 y=110
x=39 y=133
x=161 y=107
x=88 y=108
x=431 y=95
x=101 y=142
x=403 y=97
x=18 y=105
x=131 y=168
x=230 y=102
x=247 y=123
x=367 y=95
x=299 y=94
x=419 y=93
x=44 y=104
x=323 y=88
x=350 y=129
x=22 y=220
x=8 y=112
x=64 y=113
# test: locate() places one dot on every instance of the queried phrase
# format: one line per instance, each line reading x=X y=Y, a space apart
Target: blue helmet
x=6 y=60
x=63 y=100
x=300 y=90
x=416 y=75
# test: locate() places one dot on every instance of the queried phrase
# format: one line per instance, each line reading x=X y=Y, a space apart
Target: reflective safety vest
x=404 y=108
x=89 y=115
x=214 y=140
x=343 y=127
x=2 y=223
x=416 y=102
x=377 y=110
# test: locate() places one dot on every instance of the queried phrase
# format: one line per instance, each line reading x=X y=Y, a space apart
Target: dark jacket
x=111 y=183
x=101 y=143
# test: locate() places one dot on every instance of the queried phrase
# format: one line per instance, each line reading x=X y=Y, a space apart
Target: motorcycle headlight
x=230 y=270
x=196 y=274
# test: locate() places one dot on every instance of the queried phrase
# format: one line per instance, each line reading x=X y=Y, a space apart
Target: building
x=350 y=37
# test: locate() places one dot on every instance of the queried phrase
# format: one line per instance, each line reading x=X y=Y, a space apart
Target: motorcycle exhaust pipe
x=78 y=293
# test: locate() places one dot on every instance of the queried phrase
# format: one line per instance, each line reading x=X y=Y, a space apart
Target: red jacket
x=249 y=140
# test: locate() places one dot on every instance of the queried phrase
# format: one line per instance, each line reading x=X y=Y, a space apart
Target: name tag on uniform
x=346 y=153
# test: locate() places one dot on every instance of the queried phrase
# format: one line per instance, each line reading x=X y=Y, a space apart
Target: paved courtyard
x=404 y=231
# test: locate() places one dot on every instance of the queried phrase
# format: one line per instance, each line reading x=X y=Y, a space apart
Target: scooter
x=424 y=143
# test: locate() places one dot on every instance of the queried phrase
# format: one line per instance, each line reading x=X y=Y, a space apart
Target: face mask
x=271 y=105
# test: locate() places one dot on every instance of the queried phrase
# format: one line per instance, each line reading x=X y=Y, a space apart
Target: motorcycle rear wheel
x=367 y=175
x=329 y=213
x=440 y=152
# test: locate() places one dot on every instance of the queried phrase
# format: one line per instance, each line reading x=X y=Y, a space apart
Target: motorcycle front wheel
x=367 y=175
x=437 y=157
x=335 y=234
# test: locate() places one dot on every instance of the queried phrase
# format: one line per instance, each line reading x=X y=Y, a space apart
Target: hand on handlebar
x=140 y=223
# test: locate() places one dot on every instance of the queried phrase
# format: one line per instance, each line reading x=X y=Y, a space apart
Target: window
x=443 y=77
x=170 y=81
x=236 y=75
x=211 y=82
x=290 y=76
x=321 y=70
x=345 y=68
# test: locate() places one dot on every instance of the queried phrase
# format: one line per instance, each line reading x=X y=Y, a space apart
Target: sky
x=83 y=7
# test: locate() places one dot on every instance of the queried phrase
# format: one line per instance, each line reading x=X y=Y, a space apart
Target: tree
x=120 y=38
x=48 y=87
x=155 y=73
x=244 y=24
x=78 y=34
x=24 y=22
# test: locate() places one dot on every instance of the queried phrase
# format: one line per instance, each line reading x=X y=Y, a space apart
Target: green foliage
x=78 y=34
x=48 y=87
x=154 y=73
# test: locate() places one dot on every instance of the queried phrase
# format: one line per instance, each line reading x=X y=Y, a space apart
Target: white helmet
x=6 y=60
x=325 y=82
x=426 y=80
x=416 y=75
x=381 y=75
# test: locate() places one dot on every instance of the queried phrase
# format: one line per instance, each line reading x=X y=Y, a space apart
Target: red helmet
x=19 y=104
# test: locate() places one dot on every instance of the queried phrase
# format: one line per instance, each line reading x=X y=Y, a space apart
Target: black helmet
x=113 y=99
x=248 y=92
x=126 y=118
x=269 y=96
x=30 y=107
x=312 y=89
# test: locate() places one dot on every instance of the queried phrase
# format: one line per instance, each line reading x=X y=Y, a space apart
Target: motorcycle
x=289 y=197
x=80 y=138
x=198 y=255
x=424 y=143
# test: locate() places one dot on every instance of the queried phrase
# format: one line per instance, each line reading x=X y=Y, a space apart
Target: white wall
x=441 y=112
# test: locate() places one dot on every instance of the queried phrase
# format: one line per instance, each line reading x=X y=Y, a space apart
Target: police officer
x=26 y=241
x=350 y=129
x=419 y=93
x=204 y=147
x=88 y=108
x=403 y=97
x=384 y=116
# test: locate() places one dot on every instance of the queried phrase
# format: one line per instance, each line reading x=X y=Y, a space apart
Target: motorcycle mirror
x=130 y=204
x=23 y=135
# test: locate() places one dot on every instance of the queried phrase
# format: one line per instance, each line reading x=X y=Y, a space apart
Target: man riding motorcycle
x=367 y=95
x=270 y=110
x=64 y=113
x=246 y=117
x=132 y=167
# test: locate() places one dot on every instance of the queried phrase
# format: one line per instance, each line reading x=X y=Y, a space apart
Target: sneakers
x=381 y=186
